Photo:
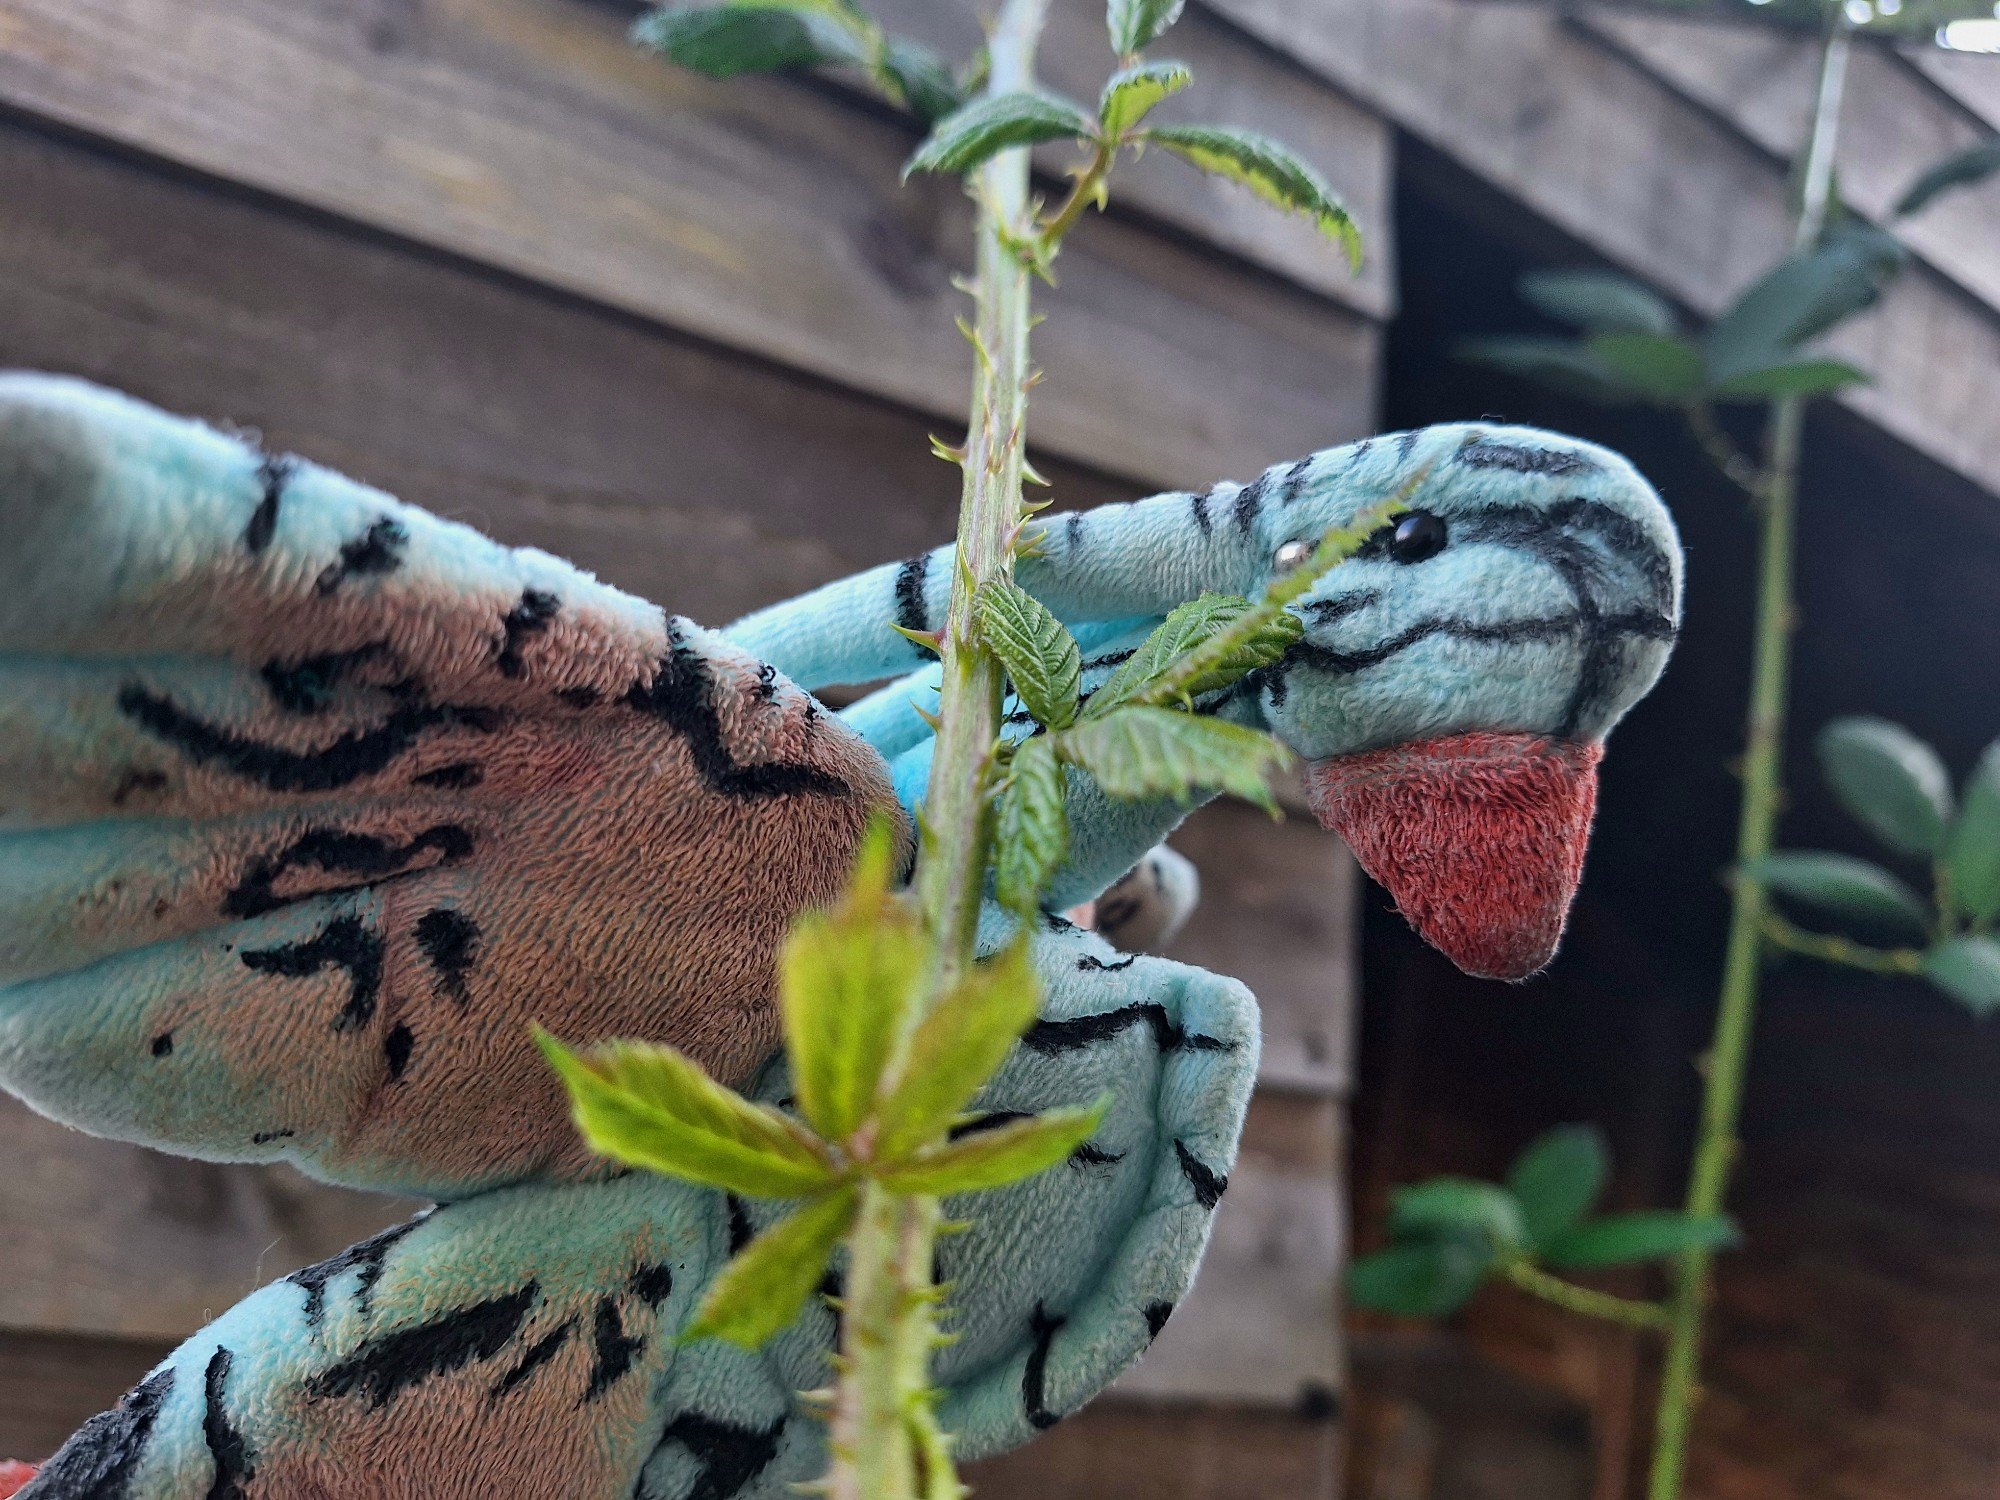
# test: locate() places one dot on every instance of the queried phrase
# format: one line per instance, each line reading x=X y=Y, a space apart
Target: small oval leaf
x=1557 y=1180
x=1598 y=302
x=1846 y=887
x=1428 y=1280
x=1801 y=377
x=723 y=41
x=1130 y=96
x=1137 y=753
x=1271 y=170
x=1972 y=853
x=1031 y=833
x=1133 y=24
x=1457 y=1205
x=1040 y=655
x=1968 y=970
x=1891 y=781
x=969 y=137
x=1659 y=367
x=1625 y=1239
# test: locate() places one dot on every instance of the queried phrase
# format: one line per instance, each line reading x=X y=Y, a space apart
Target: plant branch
x=1839 y=950
x=1729 y=1052
x=1089 y=184
x=1736 y=465
x=1626 y=1311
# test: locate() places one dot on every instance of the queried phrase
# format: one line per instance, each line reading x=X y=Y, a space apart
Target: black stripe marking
x=682 y=696
x=382 y=1369
x=991 y=1121
x=98 y=1460
x=1508 y=632
x=265 y=1137
x=379 y=549
x=741 y=1231
x=1157 y=1314
x=1294 y=478
x=338 y=852
x=1481 y=452
x=910 y=611
x=449 y=939
x=1250 y=503
x=226 y=1447
x=614 y=1351
x=653 y=1284
x=539 y=1353
x=1333 y=611
x=306 y=686
x=459 y=776
x=344 y=943
x=580 y=697
x=1088 y=1155
x=137 y=781
x=767 y=683
x=730 y=1456
x=1406 y=443
x=273 y=474
x=365 y=1259
x=163 y=1044
x=1198 y=509
x=1090 y=963
x=358 y=753
x=1073 y=532
x=530 y=617
x=1208 y=1187
x=1042 y=1330
x=396 y=1048
x=1052 y=1037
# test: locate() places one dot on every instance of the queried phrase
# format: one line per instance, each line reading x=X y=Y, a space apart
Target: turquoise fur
x=189 y=921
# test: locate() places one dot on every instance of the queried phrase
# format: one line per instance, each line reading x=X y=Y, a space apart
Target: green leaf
x=1557 y=1180
x=1456 y=1205
x=1427 y=1280
x=923 y=79
x=1269 y=169
x=1032 y=832
x=725 y=40
x=1139 y=753
x=1800 y=377
x=1598 y=302
x=760 y=1291
x=847 y=978
x=1974 y=164
x=968 y=137
x=1972 y=853
x=1798 y=299
x=1041 y=657
x=994 y=1158
x=1891 y=781
x=649 y=1106
x=1968 y=970
x=1624 y=1239
x=1196 y=650
x=1847 y=887
x=1134 y=24
x=959 y=1046
x=1660 y=367
x=1130 y=96
x=1560 y=364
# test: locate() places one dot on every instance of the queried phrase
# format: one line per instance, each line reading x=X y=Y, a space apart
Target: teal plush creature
x=311 y=803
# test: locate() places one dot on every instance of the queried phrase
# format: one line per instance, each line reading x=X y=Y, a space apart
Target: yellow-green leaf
x=649 y=1106
x=760 y=1292
x=994 y=1158
x=1271 y=170
x=1040 y=655
x=1031 y=834
x=1137 y=753
x=968 y=137
x=846 y=980
x=959 y=1046
x=1129 y=96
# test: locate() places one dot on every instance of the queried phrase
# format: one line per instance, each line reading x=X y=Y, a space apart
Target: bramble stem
x=883 y=1433
x=1569 y=1296
x=1729 y=1052
x=1832 y=949
x=1083 y=192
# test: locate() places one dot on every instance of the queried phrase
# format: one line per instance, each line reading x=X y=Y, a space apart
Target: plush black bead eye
x=1417 y=536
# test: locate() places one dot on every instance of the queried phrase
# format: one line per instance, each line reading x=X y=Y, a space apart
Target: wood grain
x=527 y=135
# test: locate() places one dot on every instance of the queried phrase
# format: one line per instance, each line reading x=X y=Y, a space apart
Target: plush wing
x=522 y=1343
x=310 y=803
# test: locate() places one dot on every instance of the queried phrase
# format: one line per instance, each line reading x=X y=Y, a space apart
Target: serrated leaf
x=1972 y=853
x=1598 y=302
x=994 y=1158
x=1660 y=367
x=1846 y=887
x=959 y=1046
x=1626 y=1239
x=1428 y=1280
x=1456 y=1205
x=1186 y=627
x=1129 y=96
x=1134 y=24
x=1891 y=781
x=1560 y=364
x=761 y=1291
x=1031 y=833
x=1963 y=168
x=724 y=41
x=1801 y=377
x=847 y=978
x=1798 y=299
x=970 y=136
x=1968 y=970
x=1040 y=655
x=1271 y=170
x=923 y=78
x=651 y=1107
x=1557 y=1180
x=1138 y=753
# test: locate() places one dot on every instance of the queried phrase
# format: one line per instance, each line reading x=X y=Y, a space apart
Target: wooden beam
x=1626 y=165
x=527 y=135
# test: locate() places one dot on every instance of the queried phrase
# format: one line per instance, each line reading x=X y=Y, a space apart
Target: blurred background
x=693 y=335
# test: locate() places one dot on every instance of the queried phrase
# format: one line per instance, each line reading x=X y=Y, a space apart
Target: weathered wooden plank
x=1894 y=125
x=1616 y=158
x=52 y=1382
x=527 y=135
x=1973 y=79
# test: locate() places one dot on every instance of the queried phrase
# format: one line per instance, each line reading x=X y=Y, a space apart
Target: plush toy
x=310 y=803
